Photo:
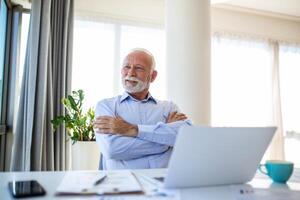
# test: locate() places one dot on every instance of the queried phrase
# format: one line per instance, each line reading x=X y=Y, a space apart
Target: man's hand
x=175 y=116
x=115 y=125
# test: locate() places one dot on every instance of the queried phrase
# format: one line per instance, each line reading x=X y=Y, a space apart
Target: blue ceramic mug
x=278 y=170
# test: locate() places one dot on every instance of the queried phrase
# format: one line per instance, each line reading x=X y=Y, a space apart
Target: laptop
x=210 y=156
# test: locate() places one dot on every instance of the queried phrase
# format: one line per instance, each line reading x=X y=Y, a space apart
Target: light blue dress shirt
x=153 y=145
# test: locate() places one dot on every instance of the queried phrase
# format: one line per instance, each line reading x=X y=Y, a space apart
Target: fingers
x=103 y=131
x=104 y=120
x=102 y=128
x=172 y=114
x=176 y=116
x=109 y=125
x=180 y=116
x=103 y=124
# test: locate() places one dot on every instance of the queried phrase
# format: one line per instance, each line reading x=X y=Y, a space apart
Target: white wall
x=141 y=11
x=255 y=24
x=223 y=19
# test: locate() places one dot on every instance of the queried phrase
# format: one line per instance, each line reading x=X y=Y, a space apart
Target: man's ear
x=153 y=75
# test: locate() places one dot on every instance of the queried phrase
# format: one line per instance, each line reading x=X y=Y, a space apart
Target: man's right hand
x=114 y=125
x=176 y=116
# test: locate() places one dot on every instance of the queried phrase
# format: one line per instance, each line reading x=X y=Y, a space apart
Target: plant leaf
x=79 y=125
x=72 y=103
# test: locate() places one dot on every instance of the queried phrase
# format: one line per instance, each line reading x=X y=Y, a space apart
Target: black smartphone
x=29 y=188
x=161 y=179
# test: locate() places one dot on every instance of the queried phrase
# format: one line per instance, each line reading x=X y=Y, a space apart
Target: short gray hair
x=146 y=52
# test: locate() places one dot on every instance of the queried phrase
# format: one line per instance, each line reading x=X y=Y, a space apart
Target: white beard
x=139 y=87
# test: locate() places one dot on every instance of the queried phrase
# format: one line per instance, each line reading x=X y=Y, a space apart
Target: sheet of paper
x=120 y=182
x=77 y=182
x=115 y=182
x=154 y=189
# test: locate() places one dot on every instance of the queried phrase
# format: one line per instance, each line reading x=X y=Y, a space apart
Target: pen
x=100 y=180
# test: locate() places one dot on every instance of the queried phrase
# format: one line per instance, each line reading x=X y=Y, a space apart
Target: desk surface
x=262 y=186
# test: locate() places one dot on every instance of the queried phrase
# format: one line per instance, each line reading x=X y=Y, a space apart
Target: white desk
x=262 y=186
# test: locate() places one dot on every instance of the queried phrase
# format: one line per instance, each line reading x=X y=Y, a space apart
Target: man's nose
x=131 y=71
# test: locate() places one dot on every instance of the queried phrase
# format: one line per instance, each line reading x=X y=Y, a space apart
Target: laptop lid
x=206 y=156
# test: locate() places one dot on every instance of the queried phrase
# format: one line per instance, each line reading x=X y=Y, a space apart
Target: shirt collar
x=126 y=95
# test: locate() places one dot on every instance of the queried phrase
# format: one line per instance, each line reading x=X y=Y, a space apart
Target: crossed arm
x=122 y=140
x=117 y=125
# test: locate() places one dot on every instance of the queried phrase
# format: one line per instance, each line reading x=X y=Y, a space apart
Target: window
x=241 y=82
x=3 y=24
x=289 y=58
x=242 y=87
x=20 y=66
x=93 y=60
x=98 y=52
x=241 y=74
x=24 y=36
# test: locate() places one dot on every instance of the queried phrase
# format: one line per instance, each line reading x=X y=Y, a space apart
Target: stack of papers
x=112 y=182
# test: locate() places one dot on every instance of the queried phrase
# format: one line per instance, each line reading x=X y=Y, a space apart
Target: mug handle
x=260 y=168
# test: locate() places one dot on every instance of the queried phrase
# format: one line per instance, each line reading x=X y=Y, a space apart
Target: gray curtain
x=46 y=80
x=14 y=20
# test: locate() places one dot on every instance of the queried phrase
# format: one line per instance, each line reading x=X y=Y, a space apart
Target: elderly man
x=135 y=130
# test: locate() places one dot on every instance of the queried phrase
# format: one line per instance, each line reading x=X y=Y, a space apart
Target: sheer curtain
x=289 y=61
x=277 y=145
x=241 y=81
x=245 y=85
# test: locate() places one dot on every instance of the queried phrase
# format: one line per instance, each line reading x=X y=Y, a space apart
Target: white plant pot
x=85 y=155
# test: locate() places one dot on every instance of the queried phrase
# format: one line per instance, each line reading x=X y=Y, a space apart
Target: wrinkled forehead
x=138 y=58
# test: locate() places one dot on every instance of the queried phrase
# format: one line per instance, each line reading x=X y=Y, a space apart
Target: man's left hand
x=176 y=116
x=115 y=125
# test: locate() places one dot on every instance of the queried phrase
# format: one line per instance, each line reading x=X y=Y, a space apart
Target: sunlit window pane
x=20 y=68
x=24 y=37
x=93 y=60
x=241 y=83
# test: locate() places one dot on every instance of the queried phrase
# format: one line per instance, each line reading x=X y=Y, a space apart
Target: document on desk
x=87 y=183
x=152 y=191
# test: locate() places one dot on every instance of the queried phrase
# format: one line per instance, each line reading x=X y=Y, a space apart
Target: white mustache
x=130 y=78
x=138 y=87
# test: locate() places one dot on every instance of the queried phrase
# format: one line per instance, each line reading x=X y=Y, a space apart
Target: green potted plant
x=79 y=126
